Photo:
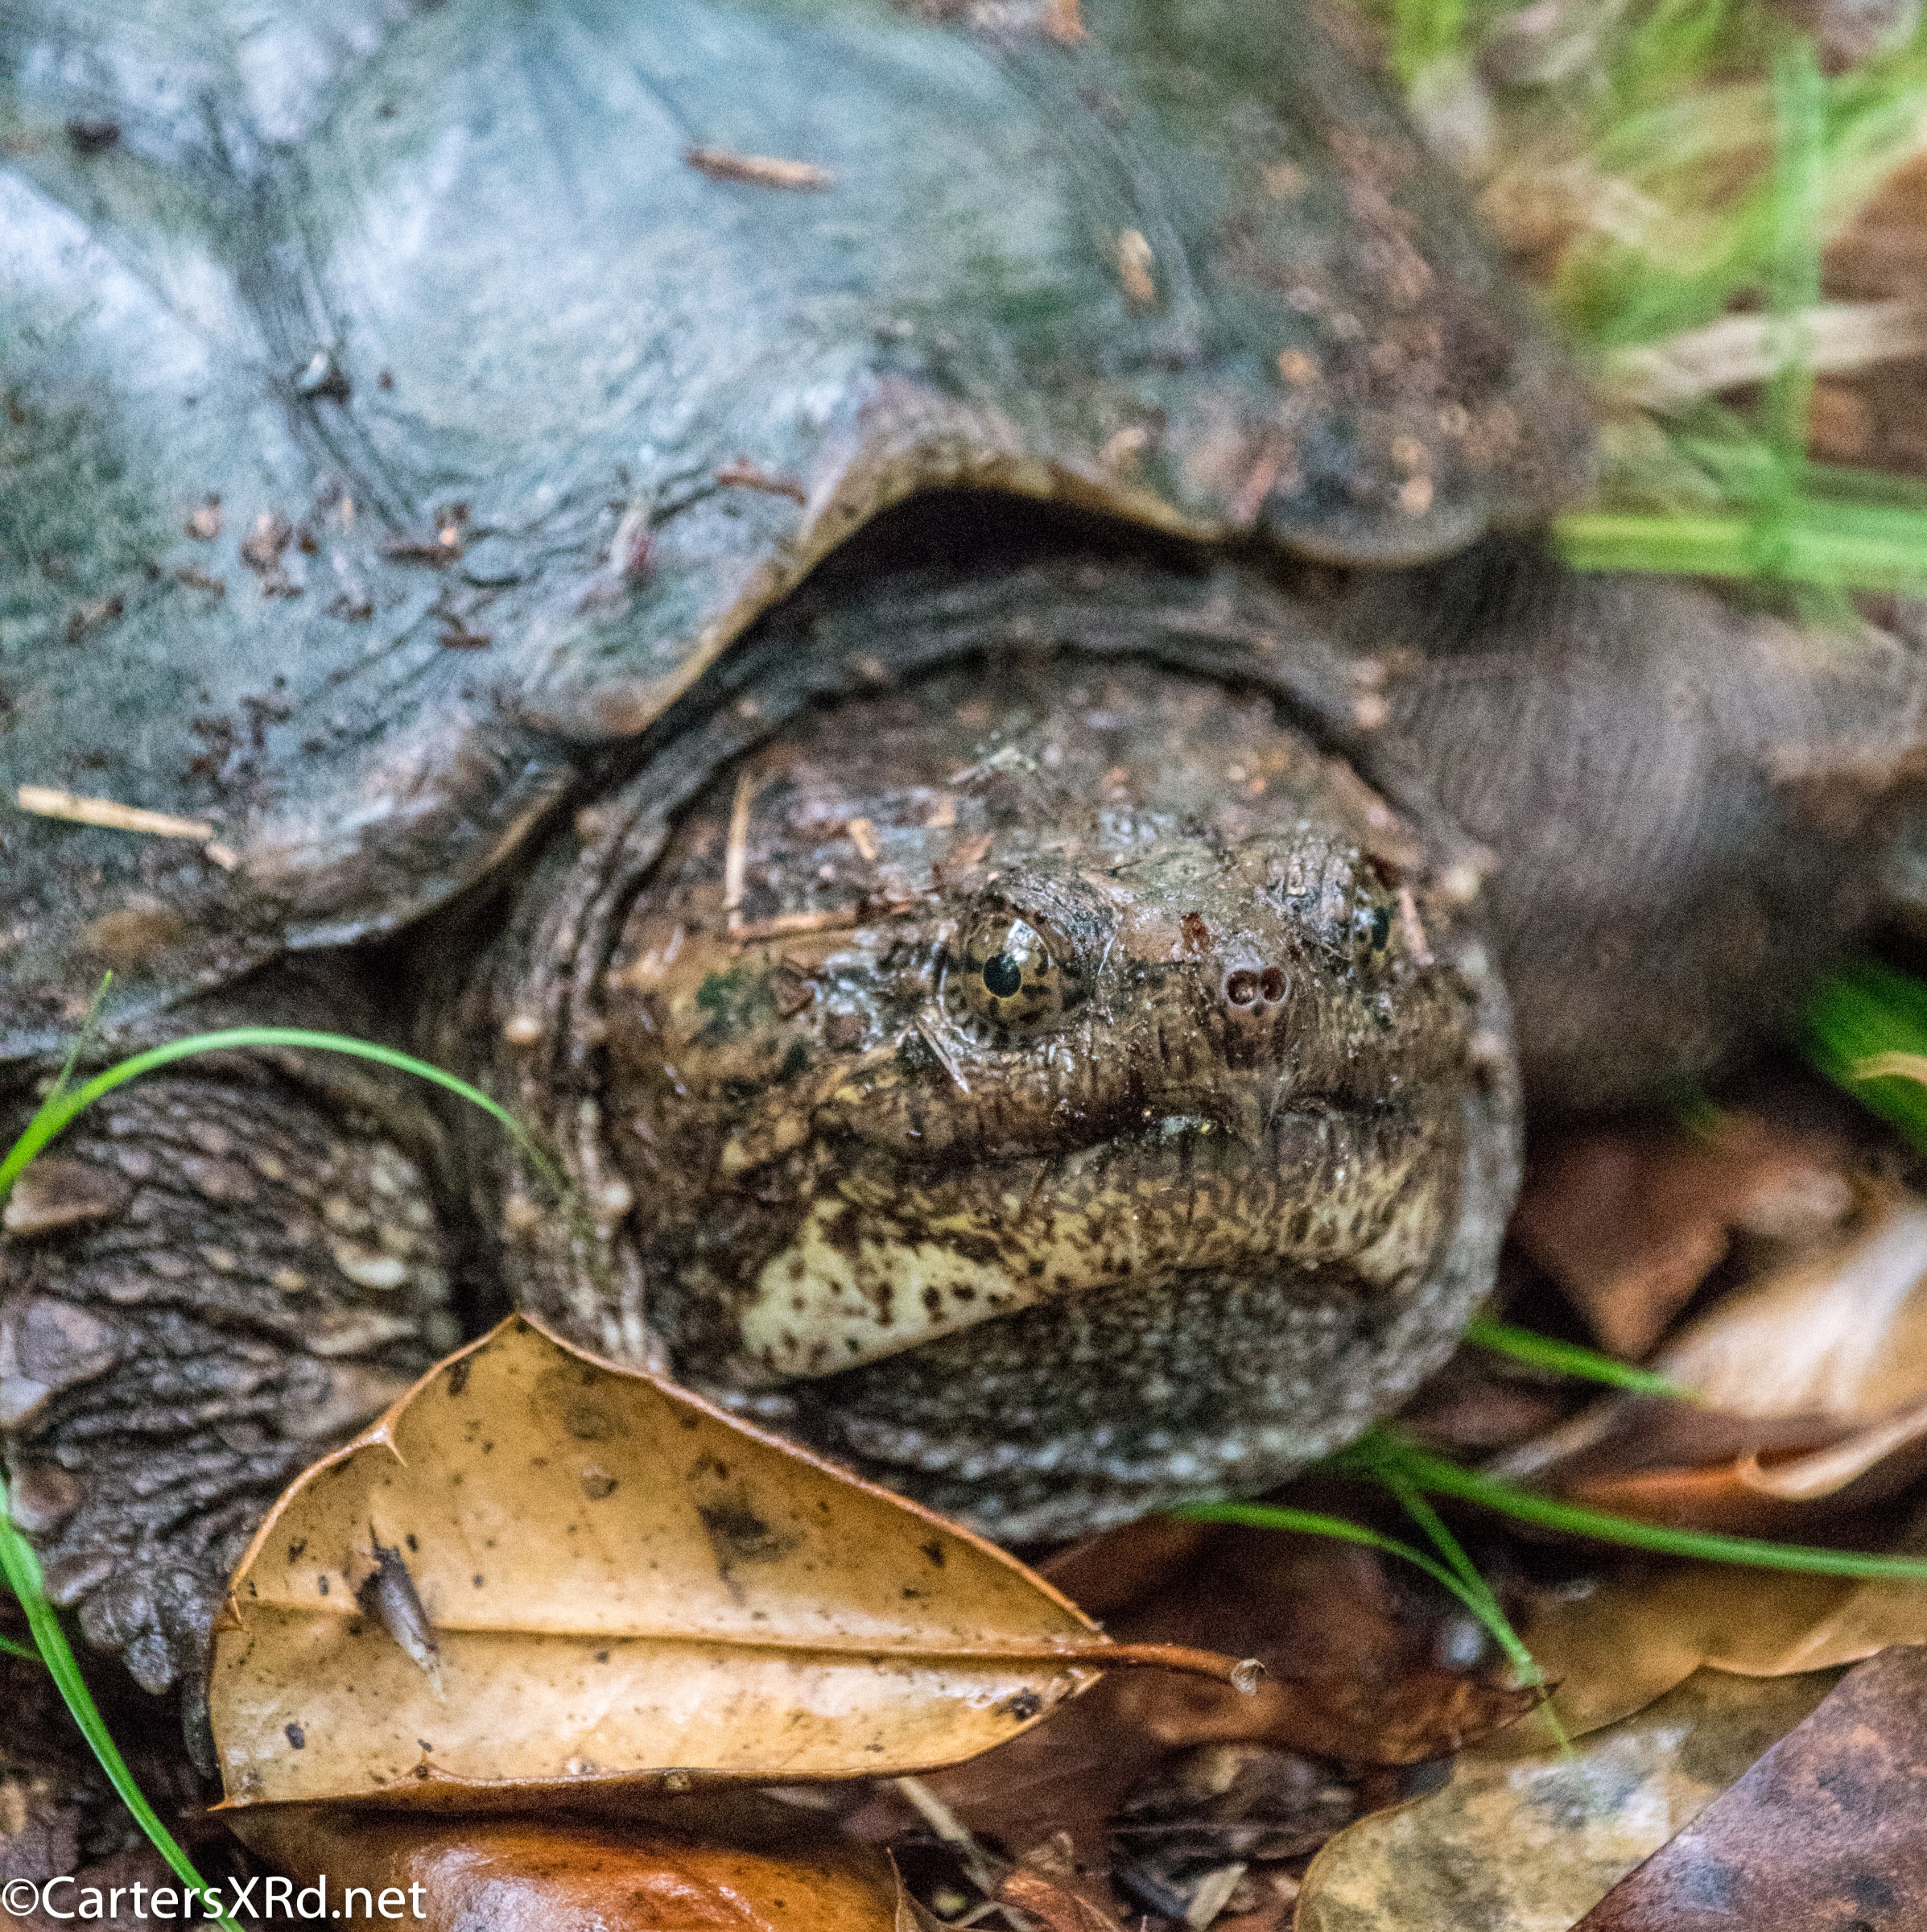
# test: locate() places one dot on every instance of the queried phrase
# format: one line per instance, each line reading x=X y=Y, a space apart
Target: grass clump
x=1660 y=165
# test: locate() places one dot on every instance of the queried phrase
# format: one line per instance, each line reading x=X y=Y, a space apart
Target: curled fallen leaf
x=1810 y=1388
x=1525 y=1845
x=1630 y=1223
x=757 y=1874
x=1650 y=1623
x=539 y=1570
x=1055 y=1906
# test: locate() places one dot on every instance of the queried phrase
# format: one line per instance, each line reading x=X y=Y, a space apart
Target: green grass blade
x=83 y=1037
x=1847 y=547
x=1462 y=1566
x=61 y=1106
x=1568 y=1358
x=1386 y=1456
x=1861 y=1012
x=22 y=1570
x=27 y=1653
x=1799 y=182
x=1423 y=31
x=1476 y=1597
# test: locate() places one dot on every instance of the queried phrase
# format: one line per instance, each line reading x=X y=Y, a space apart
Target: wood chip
x=1411 y=929
x=840 y=918
x=47 y=801
x=761 y=171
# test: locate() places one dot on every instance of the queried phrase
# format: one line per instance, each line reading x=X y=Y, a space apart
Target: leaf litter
x=1808 y=1387
x=1672 y=1675
x=1198 y=1805
x=1531 y=1845
x=1823 y=1834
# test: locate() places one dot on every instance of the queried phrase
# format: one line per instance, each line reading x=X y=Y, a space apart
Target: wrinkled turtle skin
x=916 y=630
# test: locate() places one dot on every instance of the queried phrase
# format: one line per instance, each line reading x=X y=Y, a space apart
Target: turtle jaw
x=886 y=1255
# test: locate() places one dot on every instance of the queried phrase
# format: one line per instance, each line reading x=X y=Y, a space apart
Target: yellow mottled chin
x=838 y=1296
x=862 y=1278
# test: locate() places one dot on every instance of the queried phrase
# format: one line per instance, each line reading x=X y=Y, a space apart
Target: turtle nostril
x=1241 y=987
x=1272 y=985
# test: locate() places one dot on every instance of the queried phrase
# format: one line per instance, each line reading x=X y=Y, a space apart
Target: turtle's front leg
x=213 y=1277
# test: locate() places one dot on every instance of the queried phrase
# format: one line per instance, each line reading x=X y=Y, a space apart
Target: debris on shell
x=744 y=475
x=761 y=171
x=49 y=802
x=1135 y=264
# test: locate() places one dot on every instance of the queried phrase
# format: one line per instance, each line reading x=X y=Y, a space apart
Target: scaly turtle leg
x=213 y=1276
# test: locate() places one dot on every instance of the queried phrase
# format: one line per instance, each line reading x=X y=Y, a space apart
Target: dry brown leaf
x=1843 y=1336
x=1629 y=1224
x=540 y=1570
x=1530 y=1845
x=1352 y=1668
x=1357 y=1668
x=1824 y=1834
x=1055 y=1906
x=525 y=1875
x=1650 y=1624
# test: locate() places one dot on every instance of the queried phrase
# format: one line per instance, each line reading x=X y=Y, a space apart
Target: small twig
x=954 y=1832
x=928 y=1035
x=1211 y=1895
x=742 y=474
x=834 y=919
x=1412 y=928
x=1670 y=376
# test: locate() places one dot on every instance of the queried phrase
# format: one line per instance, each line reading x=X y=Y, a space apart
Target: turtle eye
x=1006 y=973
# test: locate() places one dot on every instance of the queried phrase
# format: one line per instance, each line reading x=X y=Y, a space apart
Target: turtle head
x=946 y=1004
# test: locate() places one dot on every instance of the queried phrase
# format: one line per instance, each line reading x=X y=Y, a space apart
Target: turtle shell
x=403 y=405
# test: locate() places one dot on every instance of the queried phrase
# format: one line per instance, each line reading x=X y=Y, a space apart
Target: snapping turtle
x=915 y=629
